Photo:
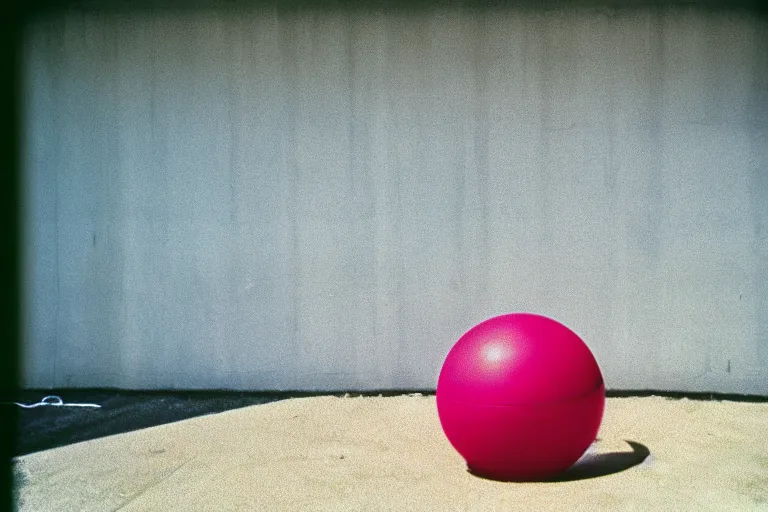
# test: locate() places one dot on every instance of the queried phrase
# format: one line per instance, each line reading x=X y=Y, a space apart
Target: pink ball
x=520 y=397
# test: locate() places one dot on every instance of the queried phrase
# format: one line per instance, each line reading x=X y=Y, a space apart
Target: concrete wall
x=328 y=199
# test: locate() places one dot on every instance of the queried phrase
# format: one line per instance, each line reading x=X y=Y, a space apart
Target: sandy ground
x=368 y=454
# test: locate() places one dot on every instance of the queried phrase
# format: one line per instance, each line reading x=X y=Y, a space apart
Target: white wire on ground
x=55 y=401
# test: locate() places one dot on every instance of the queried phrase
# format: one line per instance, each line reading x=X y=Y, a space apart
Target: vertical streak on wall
x=363 y=47
x=38 y=265
x=396 y=33
x=448 y=69
x=127 y=353
x=58 y=86
x=612 y=220
x=357 y=238
x=228 y=352
x=107 y=238
x=758 y=144
x=242 y=286
x=388 y=256
x=76 y=223
x=289 y=62
x=398 y=42
x=653 y=221
x=359 y=228
x=479 y=150
x=56 y=83
x=542 y=31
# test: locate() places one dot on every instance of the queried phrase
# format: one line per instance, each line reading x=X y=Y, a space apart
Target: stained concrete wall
x=328 y=199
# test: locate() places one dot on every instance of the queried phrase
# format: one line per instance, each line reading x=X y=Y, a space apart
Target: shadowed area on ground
x=121 y=411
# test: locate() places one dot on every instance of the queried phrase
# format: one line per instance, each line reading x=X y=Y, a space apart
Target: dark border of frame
x=10 y=30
